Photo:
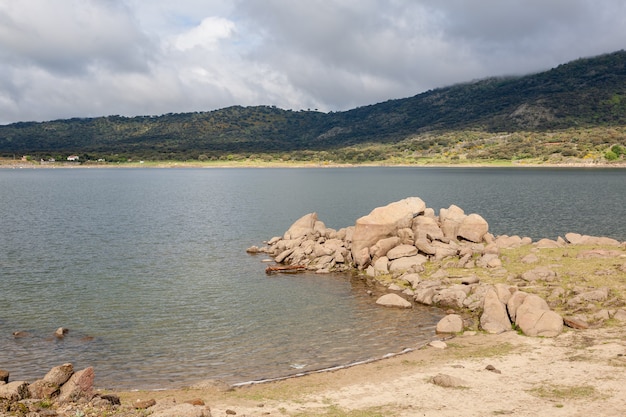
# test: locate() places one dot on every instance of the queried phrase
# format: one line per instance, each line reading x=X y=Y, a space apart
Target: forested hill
x=584 y=93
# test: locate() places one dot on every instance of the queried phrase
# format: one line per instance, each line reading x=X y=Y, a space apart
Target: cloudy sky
x=85 y=58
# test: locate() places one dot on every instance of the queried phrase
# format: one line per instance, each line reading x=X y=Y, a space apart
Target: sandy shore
x=579 y=373
x=18 y=164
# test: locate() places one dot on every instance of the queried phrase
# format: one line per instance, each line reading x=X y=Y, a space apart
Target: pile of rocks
x=397 y=241
x=397 y=238
x=63 y=392
x=61 y=383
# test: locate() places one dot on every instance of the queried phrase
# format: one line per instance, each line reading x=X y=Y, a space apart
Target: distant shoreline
x=18 y=164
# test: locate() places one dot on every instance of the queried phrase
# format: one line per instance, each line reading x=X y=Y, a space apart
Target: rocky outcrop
x=396 y=245
x=60 y=384
x=397 y=238
x=68 y=393
x=381 y=223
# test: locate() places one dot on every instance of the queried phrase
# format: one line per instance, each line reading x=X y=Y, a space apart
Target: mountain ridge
x=587 y=92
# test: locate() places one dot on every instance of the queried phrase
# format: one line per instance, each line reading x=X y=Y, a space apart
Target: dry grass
x=566 y=392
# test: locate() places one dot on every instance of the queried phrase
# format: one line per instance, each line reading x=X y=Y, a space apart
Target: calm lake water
x=148 y=270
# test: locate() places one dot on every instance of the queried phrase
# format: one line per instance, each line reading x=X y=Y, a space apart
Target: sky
x=87 y=58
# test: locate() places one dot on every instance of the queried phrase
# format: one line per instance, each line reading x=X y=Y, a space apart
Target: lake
x=148 y=269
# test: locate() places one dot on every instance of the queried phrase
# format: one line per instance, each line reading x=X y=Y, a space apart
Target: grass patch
x=565 y=392
x=459 y=351
x=334 y=411
x=571 y=270
x=290 y=390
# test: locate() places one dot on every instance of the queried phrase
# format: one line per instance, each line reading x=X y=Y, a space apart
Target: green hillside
x=575 y=110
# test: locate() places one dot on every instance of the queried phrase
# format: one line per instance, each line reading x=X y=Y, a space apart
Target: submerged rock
x=393 y=300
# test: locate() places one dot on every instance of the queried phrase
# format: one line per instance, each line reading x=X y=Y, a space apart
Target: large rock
x=59 y=374
x=304 y=226
x=402 y=251
x=473 y=228
x=547 y=244
x=14 y=391
x=383 y=246
x=494 y=318
x=539 y=273
x=535 y=318
x=504 y=292
x=381 y=266
x=452 y=323
x=426 y=228
x=393 y=300
x=413 y=279
x=401 y=265
x=425 y=295
x=451 y=297
x=507 y=242
x=515 y=301
x=43 y=389
x=383 y=222
x=592 y=296
x=406 y=235
x=577 y=239
x=423 y=245
x=80 y=385
x=450 y=220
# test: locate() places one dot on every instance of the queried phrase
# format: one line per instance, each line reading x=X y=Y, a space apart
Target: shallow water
x=148 y=269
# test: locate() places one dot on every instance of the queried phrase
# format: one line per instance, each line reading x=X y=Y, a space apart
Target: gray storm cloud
x=71 y=58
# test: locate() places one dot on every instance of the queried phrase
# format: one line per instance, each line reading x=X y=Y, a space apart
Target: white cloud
x=207 y=35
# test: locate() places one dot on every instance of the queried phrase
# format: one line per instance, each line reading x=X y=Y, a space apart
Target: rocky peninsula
x=531 y=328
x=450 y=260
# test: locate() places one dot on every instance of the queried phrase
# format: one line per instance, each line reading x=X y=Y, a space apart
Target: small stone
x=492 y=368
x=470 y=280
x=575 y=323
x=143 y=404
x=4 y=376
x=253 y=249
x=439 y=344
x=620 y=315
x=61 y=332
x=530 y=259
x=195 y=401
x=113 y=399
x=231 y=412
x=448 y=381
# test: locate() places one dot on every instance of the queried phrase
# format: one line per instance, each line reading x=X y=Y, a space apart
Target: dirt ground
x=579 y=373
